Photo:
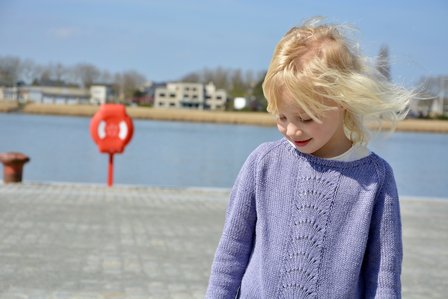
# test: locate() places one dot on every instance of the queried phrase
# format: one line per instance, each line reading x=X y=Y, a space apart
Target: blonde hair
x=315 y=62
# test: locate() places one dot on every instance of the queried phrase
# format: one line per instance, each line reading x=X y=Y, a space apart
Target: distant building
x=215 y=99
x=429 y=106
x=180 y=95
x=69 y=94
x=99 y=94
x=190 y=96
x=440 y=106
x=148 y=92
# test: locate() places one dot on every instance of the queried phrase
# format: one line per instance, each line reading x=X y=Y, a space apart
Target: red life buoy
x=111 y=128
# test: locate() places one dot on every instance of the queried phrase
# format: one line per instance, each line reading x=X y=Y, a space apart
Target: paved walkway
x=88 y=241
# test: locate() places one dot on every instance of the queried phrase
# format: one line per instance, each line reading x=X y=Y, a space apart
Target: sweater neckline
x=327 y=162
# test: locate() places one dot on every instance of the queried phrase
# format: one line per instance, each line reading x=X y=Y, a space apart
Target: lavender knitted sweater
x=298 y=226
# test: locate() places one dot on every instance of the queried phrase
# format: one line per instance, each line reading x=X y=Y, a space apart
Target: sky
x=167 y=39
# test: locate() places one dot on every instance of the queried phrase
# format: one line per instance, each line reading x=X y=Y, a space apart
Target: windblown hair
x=315 y=62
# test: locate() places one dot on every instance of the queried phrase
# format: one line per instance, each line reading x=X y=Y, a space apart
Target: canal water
x=179 y=154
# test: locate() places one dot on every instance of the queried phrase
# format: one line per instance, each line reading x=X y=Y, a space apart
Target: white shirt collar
x=356 y=152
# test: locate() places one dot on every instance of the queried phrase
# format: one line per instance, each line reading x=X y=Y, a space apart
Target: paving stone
x=88 y=241
x=64 y=241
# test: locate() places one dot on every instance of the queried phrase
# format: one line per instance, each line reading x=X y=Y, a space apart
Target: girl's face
x=325 y=139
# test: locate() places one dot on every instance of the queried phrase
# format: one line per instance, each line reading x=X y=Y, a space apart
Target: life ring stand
x=111 y=129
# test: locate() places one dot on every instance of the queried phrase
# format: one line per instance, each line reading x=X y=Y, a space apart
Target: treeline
x=14 y=70
x=129 y=84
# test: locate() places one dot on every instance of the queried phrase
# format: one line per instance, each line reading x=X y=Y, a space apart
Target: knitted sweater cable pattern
x=298 y=226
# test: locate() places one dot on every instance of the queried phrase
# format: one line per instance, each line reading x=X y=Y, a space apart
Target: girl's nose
x=293 y=131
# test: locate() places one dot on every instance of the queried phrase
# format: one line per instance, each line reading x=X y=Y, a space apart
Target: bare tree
x=133 y=81
x=44 y=73
x=383 y=64
x=249 y=78
x=118 y=86
x=127 y=84
x=59 y=72
x=106 y=77
x=191 y=77
x=238 y=87
x=258 y=95
x=28 y=70
x=10 y=70
x=221 y=78
x=87 y=74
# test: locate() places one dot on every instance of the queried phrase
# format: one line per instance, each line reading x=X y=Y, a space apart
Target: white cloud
x=64 y=32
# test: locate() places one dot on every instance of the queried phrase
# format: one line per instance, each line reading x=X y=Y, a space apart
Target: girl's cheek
x=281 y=129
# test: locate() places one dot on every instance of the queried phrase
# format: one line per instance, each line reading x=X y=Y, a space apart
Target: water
x=177 y=154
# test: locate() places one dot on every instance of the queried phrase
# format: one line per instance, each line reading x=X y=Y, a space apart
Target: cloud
x=64 y=32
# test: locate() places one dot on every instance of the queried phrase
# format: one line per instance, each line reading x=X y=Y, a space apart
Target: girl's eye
x=304 y=118
x=307 y=120
x=282 y=117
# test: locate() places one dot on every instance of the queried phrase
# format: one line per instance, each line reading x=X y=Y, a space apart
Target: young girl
x=315 y=214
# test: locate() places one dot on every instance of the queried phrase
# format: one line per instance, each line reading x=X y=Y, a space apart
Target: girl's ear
x=342 y=107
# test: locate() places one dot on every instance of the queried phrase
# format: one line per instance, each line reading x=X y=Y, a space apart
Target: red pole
x=110 y=178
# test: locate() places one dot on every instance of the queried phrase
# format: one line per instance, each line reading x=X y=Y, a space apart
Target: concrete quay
x=63 y=241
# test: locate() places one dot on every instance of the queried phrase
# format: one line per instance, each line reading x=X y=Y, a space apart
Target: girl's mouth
x=302 y=142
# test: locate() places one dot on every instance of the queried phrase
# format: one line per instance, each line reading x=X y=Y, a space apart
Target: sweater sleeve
x=384 y=249
x=235 y=246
